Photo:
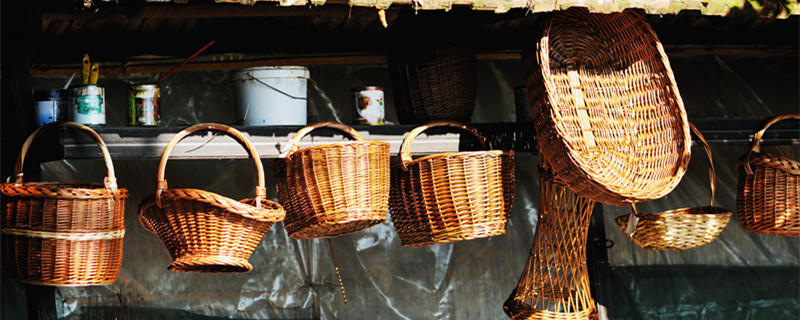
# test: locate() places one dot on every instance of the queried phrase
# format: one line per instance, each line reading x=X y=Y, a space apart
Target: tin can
x=50 y=106
x=368 y=102
x=143 y=106
x=89 y=105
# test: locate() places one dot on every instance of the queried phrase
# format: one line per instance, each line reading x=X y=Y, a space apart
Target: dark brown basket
x=678 y=229
x=608 y=115
x=63 y=234
x=434 y=83
x=202 y=230
x=451 y=197
x=768 y=192
x=333 y=189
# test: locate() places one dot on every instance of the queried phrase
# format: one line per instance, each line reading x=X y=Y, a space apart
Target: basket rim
x=482 y=153
x=264 y=214
x=765 y=159
x=713 y=211
x=342 y=144
x=60 y=190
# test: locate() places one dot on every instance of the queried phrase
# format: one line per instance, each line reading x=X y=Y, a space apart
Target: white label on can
x=369 y=107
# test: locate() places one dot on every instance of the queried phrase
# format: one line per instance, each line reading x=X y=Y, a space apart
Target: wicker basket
x=679 y=229
x=555 y=281
x=333 y=189
x=63 y=234
x=768 y=192
x=450 y=197
x=433 y=83
x=609 y=118
x=204 y=231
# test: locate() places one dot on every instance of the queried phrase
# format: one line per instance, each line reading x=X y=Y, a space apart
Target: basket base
x=516 y=310
x=210 y=264
x=487 y=230
x=335 y=229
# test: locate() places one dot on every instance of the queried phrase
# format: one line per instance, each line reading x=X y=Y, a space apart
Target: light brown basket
x=202 y=230
x=333 y=189
x=434 y=82
x=678 y=229
x=768 y=192
x=555 y=281
x=450 y=197
x=608 y=115
x=63 y=234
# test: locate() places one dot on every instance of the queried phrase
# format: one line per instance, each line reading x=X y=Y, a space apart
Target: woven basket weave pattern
x=63 y=234
x=453 y=196
x=334 y=189
x=608 y=115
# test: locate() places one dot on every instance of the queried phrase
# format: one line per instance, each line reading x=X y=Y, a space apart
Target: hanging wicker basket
x=202 y=230
x=333 y=189
x=433 y=83
x=450 y=197
x=768 y=192
x=609 y=118
x=678 y=229
x=63 y=234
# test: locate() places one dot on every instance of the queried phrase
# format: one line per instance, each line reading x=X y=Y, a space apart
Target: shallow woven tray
x=204 y=231
x=608 y=114
x=333 y=189
x=63 y=234
x=768 y=191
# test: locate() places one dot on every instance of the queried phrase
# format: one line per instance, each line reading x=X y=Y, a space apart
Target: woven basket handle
x=110 y=181
x=756 y=147
x=405 y=147
x=261 y=190
x=711 y=173
x=300 y=134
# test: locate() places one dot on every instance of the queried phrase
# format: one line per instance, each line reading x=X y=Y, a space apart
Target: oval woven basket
x=63 y=234
x=451 y=197
x=204 y=231
x=609 y=118
x=768 y=191
x=333 y=189
x=678 y=229
x=437 y=82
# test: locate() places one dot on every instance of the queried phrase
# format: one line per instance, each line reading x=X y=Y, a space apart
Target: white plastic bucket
x=271 y=96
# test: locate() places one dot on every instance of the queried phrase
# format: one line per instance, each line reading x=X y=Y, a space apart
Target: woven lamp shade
x=608 y=114
x=555 y=282
x=768 y=191
x=63 y=234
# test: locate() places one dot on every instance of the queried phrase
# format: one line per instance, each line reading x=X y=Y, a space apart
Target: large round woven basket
x=768 y=191
x=435 y=82
x=204 y=231
x=333 y=189
x=678 y=229
x=450 y=197
x=63 y=234
x=609 y=118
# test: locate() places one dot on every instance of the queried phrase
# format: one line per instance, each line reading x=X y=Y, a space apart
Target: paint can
x=89 y=105
x=50 y=106
x=368 y=102
x=271 y=96
x=143 y=105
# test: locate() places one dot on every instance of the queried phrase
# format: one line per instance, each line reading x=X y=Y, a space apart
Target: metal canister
x=89 y=105
x=143 y=105
x=368 y=102
x=50 y=105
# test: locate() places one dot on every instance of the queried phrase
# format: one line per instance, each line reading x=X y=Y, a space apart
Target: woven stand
x=555 y=282
x=609 y=119
x=63 y=234
x=768 y=191
x=678 y=229
x=333 y=189
x=451 y=197
x=202 y=230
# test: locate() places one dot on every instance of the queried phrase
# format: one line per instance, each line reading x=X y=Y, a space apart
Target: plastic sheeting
x=464 y=280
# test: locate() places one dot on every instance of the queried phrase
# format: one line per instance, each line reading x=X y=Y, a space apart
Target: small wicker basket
x=333 y=189
x=202 y=230
x=450 y=197
x=434 y=83
x=678 y=229
x=768 y=192
x=608 y=115
x=63 y=234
